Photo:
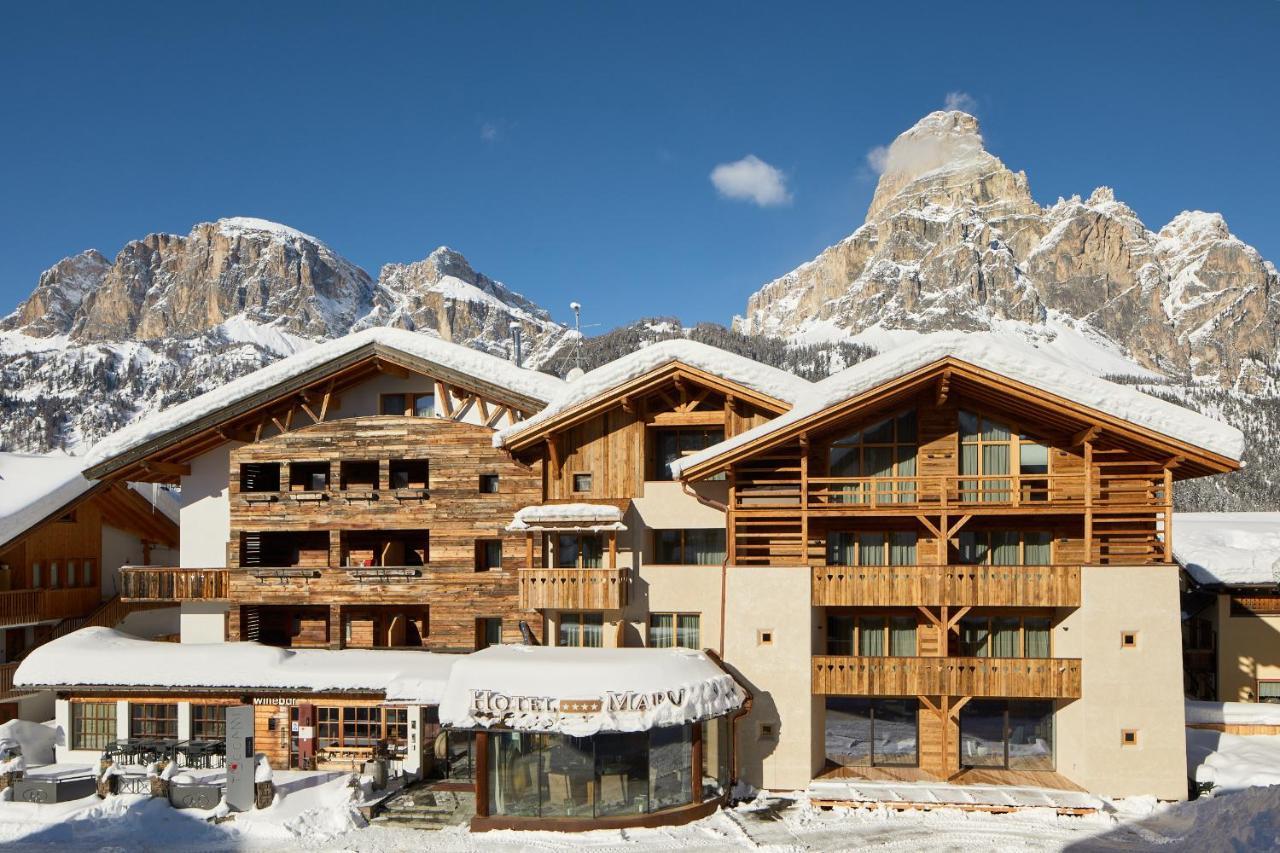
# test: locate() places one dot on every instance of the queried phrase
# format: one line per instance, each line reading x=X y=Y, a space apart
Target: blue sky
x=567 y=148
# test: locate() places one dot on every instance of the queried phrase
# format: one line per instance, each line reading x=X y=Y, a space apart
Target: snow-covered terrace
x=1229 y=548
x=1006 y=357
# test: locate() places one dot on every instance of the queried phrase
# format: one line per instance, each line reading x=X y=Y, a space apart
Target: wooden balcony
x=963 y=586
x=574 y=589
x=29 y=606
x=1014 y=678
x=971 y=493
x=147 y=583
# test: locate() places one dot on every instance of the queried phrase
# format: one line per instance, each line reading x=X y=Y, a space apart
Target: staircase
x=422 y=807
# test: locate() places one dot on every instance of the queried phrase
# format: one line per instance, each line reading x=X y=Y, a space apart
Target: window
x=1008 y=734
x=768 y=731
x=1005 y=548
x=488 y=484
x=153 y=720
x=581 y=629
x=37 y=580
x=488 y=632
x=308 y=476
x=673 y=444
x=574 y=551
x=87 y=568
x=696 y=547
x=93 y=725
x=208 y=722
x=68 y=518
x=670 y=630
x=582 y=482
x=396 y=727
x=884 y=450
x=1005 y=636
x=260 y=476
x=416 y=405
x=872 y=732
x=488 y=554
x=871 y=636
x=408 y=473
x=1269 y=691
x=73 y=577
x=894 y=548
x=361 y=726
x=53 y=575
x=1128 y=737
x=1128 y=639
x=990 y=449
x=360 y=475
x=764 y=637
x=424 y=405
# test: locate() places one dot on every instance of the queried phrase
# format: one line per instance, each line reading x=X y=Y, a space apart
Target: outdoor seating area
x=201 y=754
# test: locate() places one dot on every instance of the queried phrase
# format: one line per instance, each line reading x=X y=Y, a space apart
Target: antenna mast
x=576 y=308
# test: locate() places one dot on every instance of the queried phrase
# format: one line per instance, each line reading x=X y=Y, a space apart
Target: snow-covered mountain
x=954 y=240
x=99 y=342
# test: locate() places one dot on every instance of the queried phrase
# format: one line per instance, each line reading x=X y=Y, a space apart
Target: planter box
x=194 y=795
x=38 y=790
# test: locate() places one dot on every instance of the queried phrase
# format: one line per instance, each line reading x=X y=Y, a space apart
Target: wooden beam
x=955 y=528
x=484 y=409
x=446 y=399
x=955 y=620
x=1087 y=434
x=326 y=401
x=496 y=415
x=315 y=419
x=929 y=525
x=944 y=388
x=170 y=469
x=929 y=614
x=390 y=369
x=553 y=454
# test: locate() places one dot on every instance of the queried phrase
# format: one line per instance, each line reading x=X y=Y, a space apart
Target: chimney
x=515 y=336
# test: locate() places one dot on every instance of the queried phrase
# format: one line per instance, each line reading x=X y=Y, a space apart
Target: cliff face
x=954 y=240
x=99 y=342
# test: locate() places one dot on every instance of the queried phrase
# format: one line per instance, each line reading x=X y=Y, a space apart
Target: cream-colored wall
x=206 y=510
x=666 y=506
x=775 y=599
x=202 y=622
x=1248 y=650
x=676 y=589
x=1138 y=688
x=121 y=548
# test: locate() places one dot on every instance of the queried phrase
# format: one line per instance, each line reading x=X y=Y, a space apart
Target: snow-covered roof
x=761 y=378
x=108 y=658
x=579 y=691
x=1007 y=357
x=1237 y=713
x=33 y=487
x=1228 y=547
x=464 y=360
x=578 y=516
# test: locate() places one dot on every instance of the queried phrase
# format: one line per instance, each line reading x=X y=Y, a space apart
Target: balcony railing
x=26 y=606
x=962 y=586
x=960 y=491
x=1015 y=678
x=572 y=589
x=148 y=583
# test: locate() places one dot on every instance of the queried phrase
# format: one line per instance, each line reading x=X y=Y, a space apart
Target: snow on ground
x=313 y=813
x=1228 y=547
x=1232 y=762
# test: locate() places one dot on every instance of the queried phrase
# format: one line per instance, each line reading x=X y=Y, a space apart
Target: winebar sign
x=495 y=706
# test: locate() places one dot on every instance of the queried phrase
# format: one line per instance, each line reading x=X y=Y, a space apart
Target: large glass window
x=93 y=725
x=877 y=548
x=208 y=722
x=671 y=630
x=670 y=766
x=1005 y=547
x=1013 y=734
x=1005 y=636
x=717 y=755
x=672 y=444
x=581 y=629
x=883 y=450
x=1269 y=691
x=862 y=732
x=990 y=449
x=574 y=551
x=872 y=636
x=153 y=720
x=693 y=547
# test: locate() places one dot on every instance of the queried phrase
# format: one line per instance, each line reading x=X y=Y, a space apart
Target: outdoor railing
x=962 y=586
x=1029 y=678
x=587 y=589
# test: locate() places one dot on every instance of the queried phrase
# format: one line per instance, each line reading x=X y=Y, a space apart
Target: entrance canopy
x=581 y=692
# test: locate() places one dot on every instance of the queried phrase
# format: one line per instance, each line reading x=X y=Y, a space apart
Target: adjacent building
x=951 y=561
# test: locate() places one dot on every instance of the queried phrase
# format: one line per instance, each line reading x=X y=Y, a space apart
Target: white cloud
x=878 y=158
x=751 y=179
x=962 y=101
x=489 y=132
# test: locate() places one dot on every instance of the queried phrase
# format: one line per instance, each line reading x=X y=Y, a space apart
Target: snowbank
x=1014 y=359
x=1237 y=713
x=542 y=688
x=1228 y=547
x=1231 y=762
x=36 y=740
x=102 y=656
x=461 y=359
x=578 y=516
x=32 y=487
x=761 y=378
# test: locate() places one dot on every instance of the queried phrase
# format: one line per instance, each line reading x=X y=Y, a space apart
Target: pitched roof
x=1228 y=548
x=770 y=382
x=1006 y=357
x=34 y=487
x=462 y=361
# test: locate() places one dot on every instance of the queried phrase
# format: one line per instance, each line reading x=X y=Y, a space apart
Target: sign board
x=275 y=700
x=240 y=757
x=493 y=706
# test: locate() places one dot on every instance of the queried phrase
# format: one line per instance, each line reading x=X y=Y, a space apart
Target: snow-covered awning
x=102 y=657
x=1229 y=548
x=567 y=517
x=580 y=692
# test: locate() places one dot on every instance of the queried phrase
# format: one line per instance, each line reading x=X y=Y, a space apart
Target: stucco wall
x=1248 y=650
x=206 y=511
x=776 y=600
x=676 y=589
x=1138 y=688
x=203 y=622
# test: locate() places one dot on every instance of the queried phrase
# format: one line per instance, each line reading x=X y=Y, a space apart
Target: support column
x=336 y=633
x=482 y=774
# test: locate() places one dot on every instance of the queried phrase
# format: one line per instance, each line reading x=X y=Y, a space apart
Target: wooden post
x=1088 y=501
x=335 y=626
x=482 y=774
x=1168 y=514
x=804 y=499
x=731 y=534
x=528 y=550
x=697 y=758
x=613 y=549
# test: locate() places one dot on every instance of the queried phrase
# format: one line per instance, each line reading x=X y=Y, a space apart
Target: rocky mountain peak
x=53 y=305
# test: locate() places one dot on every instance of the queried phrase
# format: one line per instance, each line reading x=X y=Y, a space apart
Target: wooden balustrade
x=573 y=589
x=147 y=583
x=1015 y=678
x=960 y=491
x=6 y=678
x=26 y=606
x=963 y=586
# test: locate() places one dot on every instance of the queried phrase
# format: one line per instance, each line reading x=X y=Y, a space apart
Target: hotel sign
x=494 y=705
